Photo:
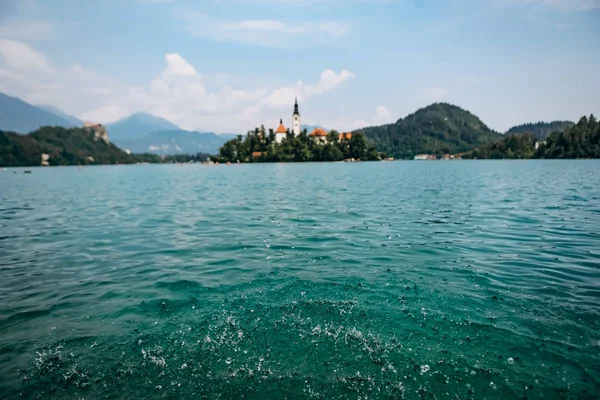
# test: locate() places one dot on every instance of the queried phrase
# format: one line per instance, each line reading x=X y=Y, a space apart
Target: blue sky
x=229 y=65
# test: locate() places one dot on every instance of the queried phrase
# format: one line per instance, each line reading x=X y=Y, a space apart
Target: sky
x=231 y=65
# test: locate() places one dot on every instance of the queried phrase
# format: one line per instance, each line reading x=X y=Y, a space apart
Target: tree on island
x=257 y=146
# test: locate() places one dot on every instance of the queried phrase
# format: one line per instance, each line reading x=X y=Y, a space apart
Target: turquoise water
x=405 y=280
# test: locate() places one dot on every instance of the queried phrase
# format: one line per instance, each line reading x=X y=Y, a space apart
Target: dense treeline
x=65 y=146
x=437 y=129
x=74 y=146
x=259 y=146
x=582 y=140
x=541 y=130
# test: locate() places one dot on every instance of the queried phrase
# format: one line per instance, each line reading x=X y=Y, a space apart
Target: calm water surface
x=406 y=280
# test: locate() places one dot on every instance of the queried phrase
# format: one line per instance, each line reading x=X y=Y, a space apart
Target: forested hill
x=582 y=140
x=75 y=146
x=541 y=130
x=437 y=129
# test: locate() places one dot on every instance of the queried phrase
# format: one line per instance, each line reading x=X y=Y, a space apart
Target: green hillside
x=540 y=130
x=581 y=140
x=65 y=146
x=437 y=129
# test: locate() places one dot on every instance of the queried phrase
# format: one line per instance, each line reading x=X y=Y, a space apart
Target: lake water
x=433 y=280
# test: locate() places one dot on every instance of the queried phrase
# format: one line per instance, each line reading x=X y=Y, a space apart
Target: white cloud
x=20 y=57
x=105 y=114
x=178 y=92
x=178 y=76
x=285 y=96
x=269 y=33
x=27 y=74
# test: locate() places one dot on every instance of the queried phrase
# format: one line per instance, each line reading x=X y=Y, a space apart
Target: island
x=297 y=145
x=439 y=131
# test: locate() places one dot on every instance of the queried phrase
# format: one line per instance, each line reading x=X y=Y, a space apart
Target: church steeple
x=296 y=117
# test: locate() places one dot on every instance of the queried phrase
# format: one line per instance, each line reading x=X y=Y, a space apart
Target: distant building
x=45 y=158
x=257 y=154
x=100 y=132
x=422 y=157
x=281 y=132
x=319 y=135
x=296 y=118
x=344 y=136
x=539 y=143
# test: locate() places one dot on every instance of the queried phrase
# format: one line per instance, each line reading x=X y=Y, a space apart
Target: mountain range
x=174 y=141
x=139 y=133
x=21 y=117
x=436 y=129
x=137 y=126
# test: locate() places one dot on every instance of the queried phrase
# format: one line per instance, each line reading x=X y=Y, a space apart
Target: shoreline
x=9 y=168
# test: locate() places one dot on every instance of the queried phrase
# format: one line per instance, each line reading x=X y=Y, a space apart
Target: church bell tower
x=296 y=117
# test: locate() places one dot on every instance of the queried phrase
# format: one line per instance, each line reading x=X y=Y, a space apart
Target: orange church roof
x=281 y=129
x=346 y=136
x=318 y=132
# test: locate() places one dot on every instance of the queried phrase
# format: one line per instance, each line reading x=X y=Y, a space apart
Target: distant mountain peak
x=19 y=116
x=138 y=125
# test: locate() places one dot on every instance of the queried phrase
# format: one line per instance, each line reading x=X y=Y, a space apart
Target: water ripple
x=372 y=280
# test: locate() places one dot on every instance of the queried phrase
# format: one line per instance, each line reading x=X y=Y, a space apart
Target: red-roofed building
x=319 y=135
x=281 y=132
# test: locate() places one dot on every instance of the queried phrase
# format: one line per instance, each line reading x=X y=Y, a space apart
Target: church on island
x=319 y=134
x=281 y=131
